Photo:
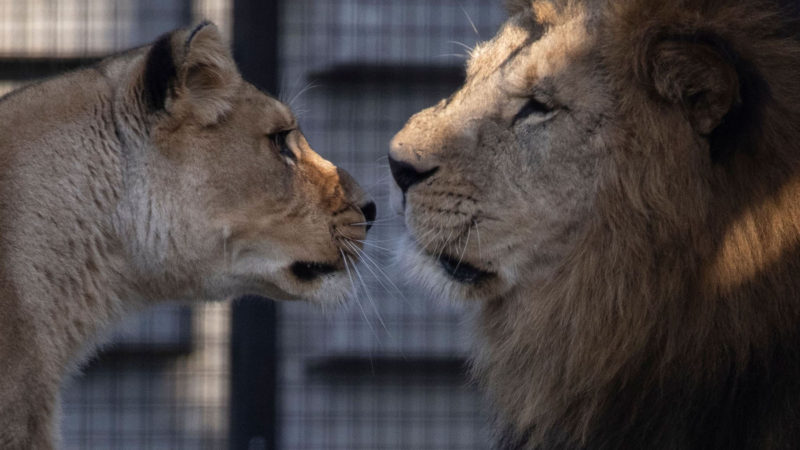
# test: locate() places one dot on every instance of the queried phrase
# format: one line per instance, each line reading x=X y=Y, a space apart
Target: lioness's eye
x=279 y=139
x=532 y=107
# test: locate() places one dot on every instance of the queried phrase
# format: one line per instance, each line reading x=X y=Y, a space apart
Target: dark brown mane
x=676 y=321
x=516 y=6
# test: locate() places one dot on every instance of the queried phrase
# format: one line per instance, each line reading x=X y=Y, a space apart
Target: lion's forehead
x=525 y=51
x=488 y=56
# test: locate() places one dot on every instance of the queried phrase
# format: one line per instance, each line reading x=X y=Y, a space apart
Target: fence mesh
x=387 y=372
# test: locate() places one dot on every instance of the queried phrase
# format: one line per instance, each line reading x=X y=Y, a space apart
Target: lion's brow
x=535 y=32
x=514 y=53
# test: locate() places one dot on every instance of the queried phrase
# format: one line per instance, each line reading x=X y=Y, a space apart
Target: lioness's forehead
x=269 y=111
x=279 y=113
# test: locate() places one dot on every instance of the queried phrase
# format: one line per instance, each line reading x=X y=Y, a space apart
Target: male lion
x=157 y=174
x=618 y=183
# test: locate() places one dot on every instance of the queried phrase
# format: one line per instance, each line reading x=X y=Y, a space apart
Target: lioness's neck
x=65 y=175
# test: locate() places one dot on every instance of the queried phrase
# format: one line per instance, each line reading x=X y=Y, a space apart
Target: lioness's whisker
x=370 y=244
x=375 y=222
x=347 y=269
x=372 y=241
x=370 y=298
x=300 y=113
x=377 y=278
x=368 y=259
x=308 y=87
x=354 y=293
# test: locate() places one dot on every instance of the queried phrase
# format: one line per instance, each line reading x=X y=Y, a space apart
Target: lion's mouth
x=462 y=271
x=308 y=271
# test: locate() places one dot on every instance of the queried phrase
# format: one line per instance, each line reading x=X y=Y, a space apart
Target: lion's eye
x=279 y=139
x=532 y=107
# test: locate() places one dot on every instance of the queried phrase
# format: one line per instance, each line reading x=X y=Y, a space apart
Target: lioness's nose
x=406 y=174
x=369 y=210
x=356 y=196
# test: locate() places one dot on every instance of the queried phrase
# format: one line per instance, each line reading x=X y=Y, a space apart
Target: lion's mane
x=675 y=323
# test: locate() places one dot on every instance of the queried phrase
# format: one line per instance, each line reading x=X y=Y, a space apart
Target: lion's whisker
x=478 y=234
x=474 y=28
x=466 y=244
x=457 y=55
x=426 y=239
x=461 y=44
x=445 y=243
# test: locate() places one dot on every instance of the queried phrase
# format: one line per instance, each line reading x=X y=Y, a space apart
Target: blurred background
x=387 y=371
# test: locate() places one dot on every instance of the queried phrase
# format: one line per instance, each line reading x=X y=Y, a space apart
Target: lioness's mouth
x=463 y=272
x=307 y=271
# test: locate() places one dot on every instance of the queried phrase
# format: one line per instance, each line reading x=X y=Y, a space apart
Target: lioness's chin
x=322 y=283
x=448 y=276
x=330 y=289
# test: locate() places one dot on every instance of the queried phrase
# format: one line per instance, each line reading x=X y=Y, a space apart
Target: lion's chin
x=445 y=276
x=462 y=271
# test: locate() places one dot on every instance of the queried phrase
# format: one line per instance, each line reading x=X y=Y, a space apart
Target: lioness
x=618 y=185
x=157 y=174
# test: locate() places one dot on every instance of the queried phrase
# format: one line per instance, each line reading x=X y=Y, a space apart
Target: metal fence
x=388 y=371
x=385 y=372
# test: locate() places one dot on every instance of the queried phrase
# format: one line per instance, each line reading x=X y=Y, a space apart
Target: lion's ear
x=698 y=74
x=515 y=7
x=191 y=74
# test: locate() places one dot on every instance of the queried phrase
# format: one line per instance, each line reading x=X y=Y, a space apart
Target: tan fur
x=108 y=205
x=644 y=238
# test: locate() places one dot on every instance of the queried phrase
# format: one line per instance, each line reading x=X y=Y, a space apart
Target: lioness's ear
x=191 y=74
x=699 y=73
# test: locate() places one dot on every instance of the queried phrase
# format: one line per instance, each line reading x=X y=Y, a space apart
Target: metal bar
x=254 y=375
x=27 y=68
x=408 y=74
x=254 y=340
x=348 y=368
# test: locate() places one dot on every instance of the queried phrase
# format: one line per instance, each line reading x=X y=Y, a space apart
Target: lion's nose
x=370 y=211
x=406 y=175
